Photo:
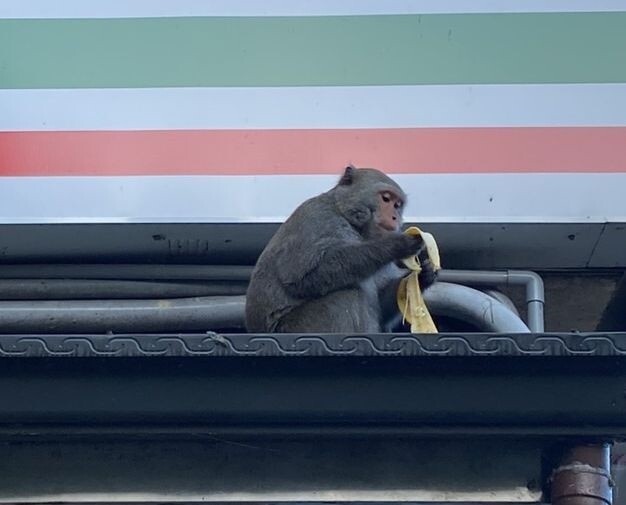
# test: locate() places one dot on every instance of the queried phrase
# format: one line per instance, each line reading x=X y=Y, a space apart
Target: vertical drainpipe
x=530 y=280
x=535 y=297
x=583 y=477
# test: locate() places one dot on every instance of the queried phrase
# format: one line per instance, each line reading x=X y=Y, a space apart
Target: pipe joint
x=531 y=281
x=583 y=478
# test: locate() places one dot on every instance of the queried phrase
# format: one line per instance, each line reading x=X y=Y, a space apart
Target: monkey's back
x=297 y=246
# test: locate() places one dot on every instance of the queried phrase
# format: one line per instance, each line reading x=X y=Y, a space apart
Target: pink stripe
x=239 y=152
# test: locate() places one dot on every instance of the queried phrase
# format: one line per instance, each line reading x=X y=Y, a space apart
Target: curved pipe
x=502 y=298
x=472 y=306
x=533 y=284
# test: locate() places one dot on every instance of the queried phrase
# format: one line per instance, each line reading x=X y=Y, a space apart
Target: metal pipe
x=472 y=306
x=502 y=298
x=210 y=313
x=204 y=313
x=583 y=477
x=532 y=283
x=95 y=289
x=101 y=316
x=126 y=271
x=530 y=280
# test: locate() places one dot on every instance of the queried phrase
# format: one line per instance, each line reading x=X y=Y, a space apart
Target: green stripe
x=300 y=51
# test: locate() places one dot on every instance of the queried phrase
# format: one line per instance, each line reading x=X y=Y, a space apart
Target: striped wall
x=192 y=110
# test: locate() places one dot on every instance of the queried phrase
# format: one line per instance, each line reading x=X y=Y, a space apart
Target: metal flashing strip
x=212 y=344
x=419 y=385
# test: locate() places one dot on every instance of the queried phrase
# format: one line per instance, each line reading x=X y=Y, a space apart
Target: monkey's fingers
x=428 y=251
x=428 y=275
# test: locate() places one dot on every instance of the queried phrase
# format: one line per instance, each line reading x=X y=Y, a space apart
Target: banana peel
x=409 y=296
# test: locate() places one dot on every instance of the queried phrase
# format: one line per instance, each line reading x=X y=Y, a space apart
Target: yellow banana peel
x=409 y=295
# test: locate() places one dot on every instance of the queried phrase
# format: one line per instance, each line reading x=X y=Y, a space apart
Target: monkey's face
x=389 y=213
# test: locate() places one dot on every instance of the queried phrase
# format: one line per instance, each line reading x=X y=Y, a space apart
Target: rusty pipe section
x=583 y=477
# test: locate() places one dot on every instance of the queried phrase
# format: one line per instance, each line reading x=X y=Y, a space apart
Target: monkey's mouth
x=390 y=227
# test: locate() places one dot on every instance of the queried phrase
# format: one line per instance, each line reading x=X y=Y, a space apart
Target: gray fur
x=328 y=268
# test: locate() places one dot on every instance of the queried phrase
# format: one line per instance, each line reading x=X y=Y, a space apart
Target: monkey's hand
x=428 y=275
x=405 y=246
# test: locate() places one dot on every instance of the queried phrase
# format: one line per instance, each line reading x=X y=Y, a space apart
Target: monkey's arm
x=387 y=281
x=333 y=265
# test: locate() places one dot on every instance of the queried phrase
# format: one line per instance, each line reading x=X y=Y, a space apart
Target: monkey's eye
x=398 y=205
x=386 y=198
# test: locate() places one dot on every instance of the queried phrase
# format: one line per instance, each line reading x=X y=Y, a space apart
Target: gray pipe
x=86 y=316
x=204 y=313
x=98 y=289
x=530 y=280
x=126 y=271
x=502 y=298
x=473 y=307
x=209 y=313
x=533 y=284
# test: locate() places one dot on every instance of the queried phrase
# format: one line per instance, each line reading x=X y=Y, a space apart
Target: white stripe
x=166 y=8
x=480 y=198
x=313 y=107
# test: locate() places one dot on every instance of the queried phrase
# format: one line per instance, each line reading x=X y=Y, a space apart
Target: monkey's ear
x=348 y=176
